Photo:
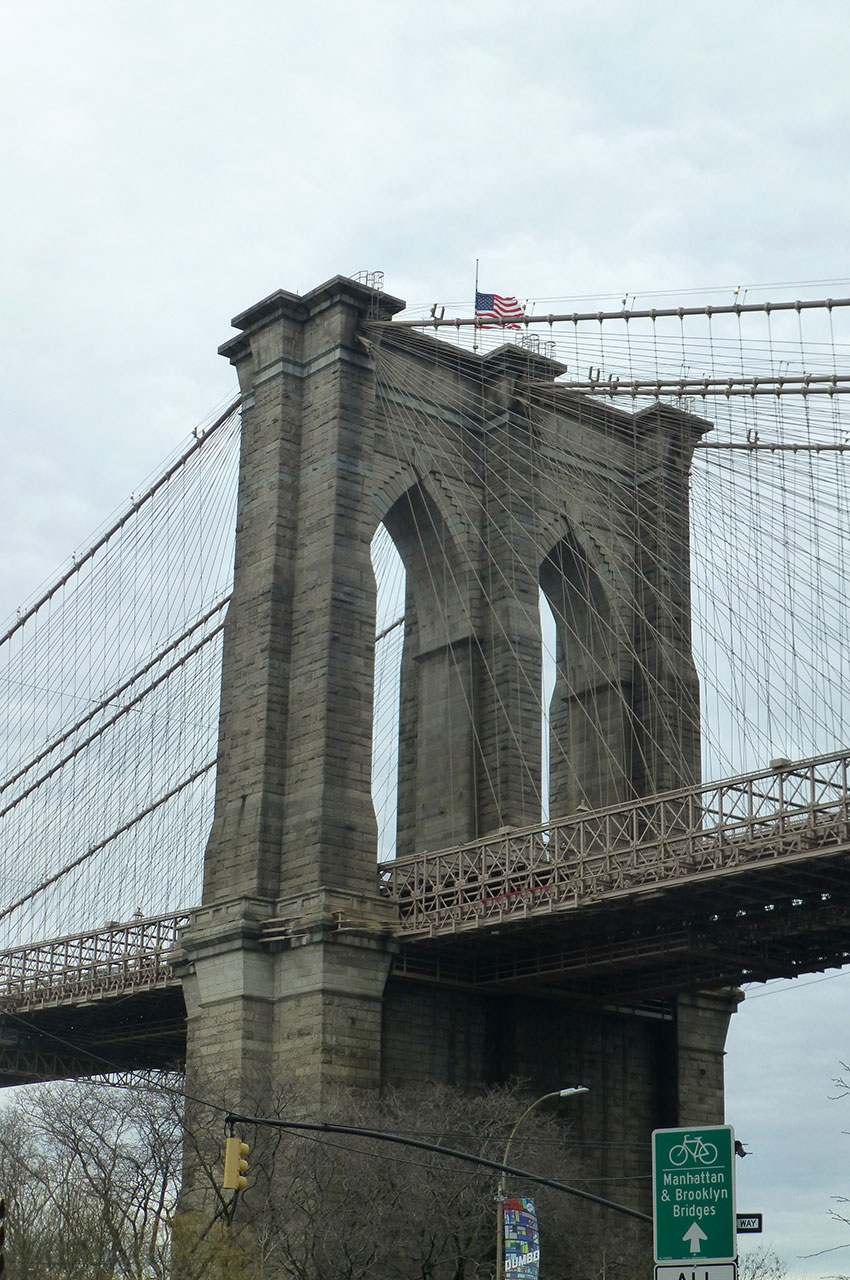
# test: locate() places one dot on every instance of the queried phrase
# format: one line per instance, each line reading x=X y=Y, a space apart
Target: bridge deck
x=740 y=881
x=641 y=847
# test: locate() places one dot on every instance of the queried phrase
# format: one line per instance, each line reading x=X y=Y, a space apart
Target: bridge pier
x=286 y=960
x=702 y=1021
x=303 y=1007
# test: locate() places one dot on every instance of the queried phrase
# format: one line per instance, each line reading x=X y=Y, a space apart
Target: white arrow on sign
x=694 y=1236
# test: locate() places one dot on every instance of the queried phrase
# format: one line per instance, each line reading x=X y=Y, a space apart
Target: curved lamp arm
x=557 y=1093
x=500 y=1195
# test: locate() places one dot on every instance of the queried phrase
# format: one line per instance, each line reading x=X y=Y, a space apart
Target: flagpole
x=475 y=308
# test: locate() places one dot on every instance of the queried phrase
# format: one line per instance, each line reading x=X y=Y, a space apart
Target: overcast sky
x=166 y=165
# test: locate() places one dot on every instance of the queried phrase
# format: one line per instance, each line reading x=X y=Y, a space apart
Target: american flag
x=492 y=306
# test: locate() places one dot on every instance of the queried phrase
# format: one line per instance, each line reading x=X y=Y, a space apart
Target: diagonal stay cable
x=113 y=720
x=116 y=693
x=199 y=441
x=101 y=844
x=406 y=412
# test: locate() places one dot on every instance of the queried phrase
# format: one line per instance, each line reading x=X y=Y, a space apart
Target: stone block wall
x=482 y=479
x=643 y=1071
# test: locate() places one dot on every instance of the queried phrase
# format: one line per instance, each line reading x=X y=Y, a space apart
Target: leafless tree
x=356 y=1209
x=761 y=1264
x=92 y=1179
x=90 y=1175
x=840 y=1213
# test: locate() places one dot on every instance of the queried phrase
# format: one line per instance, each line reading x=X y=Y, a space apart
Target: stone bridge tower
x=494 y=483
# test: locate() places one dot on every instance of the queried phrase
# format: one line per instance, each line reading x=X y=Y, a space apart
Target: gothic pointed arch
x=591 y=746
x=439 y=671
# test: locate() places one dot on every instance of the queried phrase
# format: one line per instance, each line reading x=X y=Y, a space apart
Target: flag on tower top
x=493 y=306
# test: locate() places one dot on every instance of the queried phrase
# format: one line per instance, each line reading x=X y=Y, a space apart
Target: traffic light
x=235 y=1164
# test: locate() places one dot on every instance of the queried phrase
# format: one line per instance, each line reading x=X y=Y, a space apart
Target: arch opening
x=425 y=752
x=548 y=671
x=590 y=737
x=390 y=581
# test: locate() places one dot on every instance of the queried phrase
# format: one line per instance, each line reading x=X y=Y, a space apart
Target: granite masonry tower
x=495 y=483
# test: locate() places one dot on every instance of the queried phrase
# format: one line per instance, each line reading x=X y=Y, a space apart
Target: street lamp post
x=500 y=1194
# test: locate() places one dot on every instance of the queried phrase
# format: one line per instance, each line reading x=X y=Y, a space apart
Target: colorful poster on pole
x=522 y=1240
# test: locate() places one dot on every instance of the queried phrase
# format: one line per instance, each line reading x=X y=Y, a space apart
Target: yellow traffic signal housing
x=235 y=1164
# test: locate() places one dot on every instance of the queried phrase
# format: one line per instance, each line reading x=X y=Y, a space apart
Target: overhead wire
x=498 y=569
x=111 y=685
x=769 y=535
x=768 y=542
x=770 y=346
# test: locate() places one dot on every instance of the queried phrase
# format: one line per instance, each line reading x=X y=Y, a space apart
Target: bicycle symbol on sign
x=693 y=1147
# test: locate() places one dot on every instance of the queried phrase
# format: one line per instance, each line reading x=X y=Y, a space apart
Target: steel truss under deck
x=743 y=880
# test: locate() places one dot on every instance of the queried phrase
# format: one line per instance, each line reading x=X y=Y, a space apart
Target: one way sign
x=748 y=1222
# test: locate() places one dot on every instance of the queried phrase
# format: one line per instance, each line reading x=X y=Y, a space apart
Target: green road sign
x=693 y=1181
